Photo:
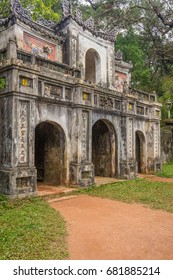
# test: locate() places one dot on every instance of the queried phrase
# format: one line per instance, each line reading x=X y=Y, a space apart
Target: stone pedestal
x=18 y=181
x=81 y=174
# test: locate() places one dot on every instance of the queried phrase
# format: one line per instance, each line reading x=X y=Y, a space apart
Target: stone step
x=43 y=190
x=57 y=199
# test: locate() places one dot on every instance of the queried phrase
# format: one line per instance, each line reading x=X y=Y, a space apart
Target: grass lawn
x=156 y=195
x=167 y=170
x=31 y=229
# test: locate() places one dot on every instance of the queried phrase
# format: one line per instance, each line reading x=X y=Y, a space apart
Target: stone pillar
x=127 y=162
x=17 y=171
x=71 y=45
x=167 y=141
x=124 y=168
x=111 y=67
x=6 y=138
x=12 y=48
x=153 y=147
x=81 y=168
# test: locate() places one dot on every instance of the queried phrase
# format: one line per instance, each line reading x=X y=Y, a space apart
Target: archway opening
x=50 y=153
x=140 y=153
x=92 y=66
x=104 y=149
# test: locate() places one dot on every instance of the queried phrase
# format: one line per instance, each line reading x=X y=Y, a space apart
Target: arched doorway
x=50 y=153
x=140 y=152
x=104 y=149
x=92 y=66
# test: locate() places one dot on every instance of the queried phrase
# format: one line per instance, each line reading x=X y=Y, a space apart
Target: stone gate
x=67 y=111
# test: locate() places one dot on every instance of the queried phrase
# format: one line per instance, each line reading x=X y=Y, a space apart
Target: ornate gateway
x=66 y=106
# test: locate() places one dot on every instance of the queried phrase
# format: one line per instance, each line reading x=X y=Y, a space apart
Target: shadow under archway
x=104 y=149
x=50 y=153
x=140 y=152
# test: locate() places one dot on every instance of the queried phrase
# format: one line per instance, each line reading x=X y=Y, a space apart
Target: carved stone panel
x=86 y=96
x=23 y=182
x=117 y=105
x=156 y=140
x=23 y=132
x=73 y=52
x=68 y=94
x=131 y=107
x=52 y=90
x=38 y=46
x=25 y=82
x=106 y=102
x=130 y=135
x=84 y=137
x=140 y=110
x=95 y=99
x=39 y=87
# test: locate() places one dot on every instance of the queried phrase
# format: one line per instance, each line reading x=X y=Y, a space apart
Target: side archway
x=140 y=145
x=50 y=153
x=92 y=66
x=104 y=149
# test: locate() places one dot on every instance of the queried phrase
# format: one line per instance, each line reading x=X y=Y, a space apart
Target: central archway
x=50 y=153
x=104 y=149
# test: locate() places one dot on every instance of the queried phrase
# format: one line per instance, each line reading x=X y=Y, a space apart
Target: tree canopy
x=48 y=9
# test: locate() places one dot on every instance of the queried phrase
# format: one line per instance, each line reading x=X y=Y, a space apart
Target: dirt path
x=155 y=178
x=105 y=229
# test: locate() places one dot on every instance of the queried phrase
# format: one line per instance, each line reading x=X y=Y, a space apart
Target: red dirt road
x=105 y=229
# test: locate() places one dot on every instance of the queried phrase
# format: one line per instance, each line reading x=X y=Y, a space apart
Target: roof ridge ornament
x=78 y=16
x=119 y=55
x=89 y=23
x=46 y=22
x=16 y=9
x=66 y=8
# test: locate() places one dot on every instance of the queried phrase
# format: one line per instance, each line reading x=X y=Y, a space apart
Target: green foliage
x=2 y=83
x=44 y=8
x=48 y=9
x=167 y=170
x=4 y=8
x=134 y=49
x=156 y=195
x=31 y=229
x=166 y=93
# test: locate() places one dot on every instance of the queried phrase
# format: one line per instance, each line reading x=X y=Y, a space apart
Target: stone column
x=6 y=138
x=127 y=166
x=12 y=48
x=81 y=168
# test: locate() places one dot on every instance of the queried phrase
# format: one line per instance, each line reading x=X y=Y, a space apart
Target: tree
x=135 y=50
x=48 y=9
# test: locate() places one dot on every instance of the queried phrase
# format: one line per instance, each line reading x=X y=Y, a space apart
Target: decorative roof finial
x=119 y=55
x=66 y=7
x=17 y=9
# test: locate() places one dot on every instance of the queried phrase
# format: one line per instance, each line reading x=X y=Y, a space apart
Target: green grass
x=31 y=229
x=167 y=170
x=156 y=195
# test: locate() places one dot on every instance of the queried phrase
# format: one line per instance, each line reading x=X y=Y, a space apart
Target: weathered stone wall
x=166 y=144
